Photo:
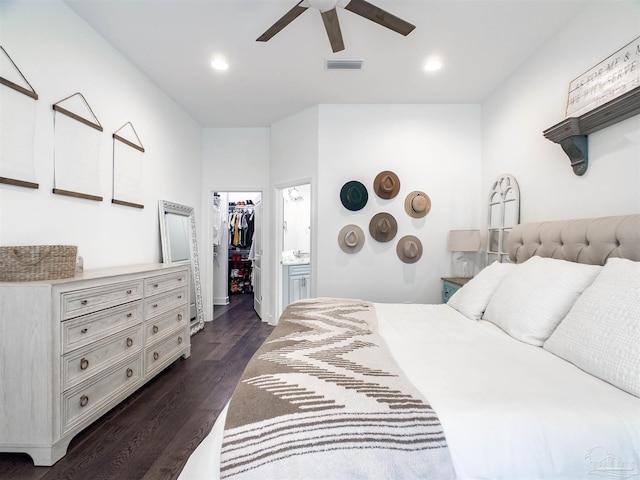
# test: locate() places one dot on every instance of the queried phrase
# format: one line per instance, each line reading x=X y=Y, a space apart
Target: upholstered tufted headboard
x=589 y=240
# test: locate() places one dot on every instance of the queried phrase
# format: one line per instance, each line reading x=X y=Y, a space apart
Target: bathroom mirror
x=178 y=237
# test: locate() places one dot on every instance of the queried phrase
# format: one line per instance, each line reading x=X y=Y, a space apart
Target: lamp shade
x=464 y=241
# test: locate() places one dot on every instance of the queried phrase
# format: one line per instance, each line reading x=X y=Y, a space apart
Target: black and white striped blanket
x=324 y=399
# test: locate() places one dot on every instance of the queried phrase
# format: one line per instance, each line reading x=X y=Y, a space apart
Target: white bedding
x=509 y=410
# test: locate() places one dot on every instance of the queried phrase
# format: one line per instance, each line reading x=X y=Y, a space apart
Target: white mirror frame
x=165 y=207
x=504 y=193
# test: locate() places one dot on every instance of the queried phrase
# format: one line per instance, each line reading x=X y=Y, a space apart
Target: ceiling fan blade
x=381 y=17
x=332 y=26
x=286 y=19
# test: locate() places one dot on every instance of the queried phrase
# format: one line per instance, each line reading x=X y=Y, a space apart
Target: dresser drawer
x=164 y=283
x=96 y=393
x=81 y=302
x=163 y=325
x=159 y=304
x=160 y=354
x=82 y=331
x=92 y=359
x=299 y=269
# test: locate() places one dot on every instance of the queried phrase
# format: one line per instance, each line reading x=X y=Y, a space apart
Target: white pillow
x=471 y=300
x=532 y=299
x=601 y=333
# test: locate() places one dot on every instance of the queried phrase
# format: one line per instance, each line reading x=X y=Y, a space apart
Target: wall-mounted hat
x=351 y=238
x=409 y=249
x=383 y=227
x=417 y=204
x=354 y=195
x=386 y=184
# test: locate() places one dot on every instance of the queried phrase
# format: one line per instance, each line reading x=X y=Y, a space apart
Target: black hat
x=353 y=195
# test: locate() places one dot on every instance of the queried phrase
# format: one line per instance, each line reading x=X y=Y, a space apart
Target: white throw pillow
x=532 y=299
x=471 y=300
x=601 y=333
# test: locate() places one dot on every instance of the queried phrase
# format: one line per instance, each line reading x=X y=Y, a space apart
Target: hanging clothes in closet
x=241 y=225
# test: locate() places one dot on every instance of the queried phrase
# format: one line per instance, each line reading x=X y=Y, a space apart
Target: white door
x=257 y=262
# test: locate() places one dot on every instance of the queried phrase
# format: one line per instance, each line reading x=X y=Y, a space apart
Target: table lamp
x=460 y=242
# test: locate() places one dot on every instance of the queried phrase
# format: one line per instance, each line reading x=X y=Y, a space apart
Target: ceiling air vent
x=344 y=64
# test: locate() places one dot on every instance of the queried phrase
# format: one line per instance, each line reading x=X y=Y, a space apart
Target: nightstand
x=451 y=286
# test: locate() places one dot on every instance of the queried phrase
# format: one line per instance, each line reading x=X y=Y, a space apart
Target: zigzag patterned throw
x=324 y=399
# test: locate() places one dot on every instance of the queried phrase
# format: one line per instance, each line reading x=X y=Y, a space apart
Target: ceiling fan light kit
x=327 y=9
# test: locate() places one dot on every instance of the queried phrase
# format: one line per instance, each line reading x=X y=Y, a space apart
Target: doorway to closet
x=237 y=247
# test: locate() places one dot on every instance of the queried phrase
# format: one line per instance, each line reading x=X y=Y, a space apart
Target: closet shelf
x=572 y=132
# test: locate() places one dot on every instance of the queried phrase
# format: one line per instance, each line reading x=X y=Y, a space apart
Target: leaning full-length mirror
x=178 y=236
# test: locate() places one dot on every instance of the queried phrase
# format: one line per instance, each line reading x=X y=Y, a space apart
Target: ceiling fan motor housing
x=322 y=5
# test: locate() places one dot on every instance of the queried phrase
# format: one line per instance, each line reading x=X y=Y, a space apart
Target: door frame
x=209 y=258
x=278 y=241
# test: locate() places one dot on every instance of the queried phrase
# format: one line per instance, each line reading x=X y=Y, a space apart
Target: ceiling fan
x=329 y=14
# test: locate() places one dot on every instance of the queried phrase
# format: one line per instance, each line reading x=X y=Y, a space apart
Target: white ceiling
x=481 y=42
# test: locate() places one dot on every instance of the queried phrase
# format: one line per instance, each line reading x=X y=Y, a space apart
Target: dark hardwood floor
x=151 y=434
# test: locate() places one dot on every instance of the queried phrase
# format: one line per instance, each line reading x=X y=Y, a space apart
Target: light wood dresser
x=70 y=350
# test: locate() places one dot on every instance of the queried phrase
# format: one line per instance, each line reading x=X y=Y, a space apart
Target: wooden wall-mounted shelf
x=572 y=133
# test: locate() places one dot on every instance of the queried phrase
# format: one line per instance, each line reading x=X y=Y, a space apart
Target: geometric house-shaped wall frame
x=76 y=171
x=17 y=125
x=128 y=154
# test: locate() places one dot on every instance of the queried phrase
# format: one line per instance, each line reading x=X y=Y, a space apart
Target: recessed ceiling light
x=219 y=64
x=433 y=65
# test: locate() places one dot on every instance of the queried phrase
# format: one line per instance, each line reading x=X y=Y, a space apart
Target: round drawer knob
x=129 y=315
x=156 y=355
x=129 y=342
x=155 y=329
x=179 y=317
x=84 y=302
x=179 y=340
x=155 y=305
x=155 y=285
x=128 y=292
x=179 y=297
x=129 y=373
x=84 y=330
x=84 y=400
x=84 y=364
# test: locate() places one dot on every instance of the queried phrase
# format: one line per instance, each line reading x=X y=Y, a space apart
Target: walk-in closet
x=236 y=244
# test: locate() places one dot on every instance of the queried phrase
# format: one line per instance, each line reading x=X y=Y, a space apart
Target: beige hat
x=383 y=227
x=417 y=204
x=351 y=238
x=409 y=249
x=386 y=185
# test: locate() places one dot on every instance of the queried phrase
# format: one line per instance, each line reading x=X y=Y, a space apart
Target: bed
x=531 y=371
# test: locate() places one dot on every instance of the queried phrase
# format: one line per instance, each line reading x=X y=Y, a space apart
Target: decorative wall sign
x=606 y=94
x=611 y=78
x=77 y=149
x=127 y=167
x=17 y=125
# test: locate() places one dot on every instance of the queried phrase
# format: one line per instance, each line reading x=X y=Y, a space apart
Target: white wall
x=432 y=148
x=534 y=98
x=60 y=55
x=293 y=161
x=234 y=160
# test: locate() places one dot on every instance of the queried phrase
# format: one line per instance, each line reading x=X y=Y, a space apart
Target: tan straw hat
x=386 y=184
x=409 y=249
x=417 y=204
x=383 y=227
x=351 y=238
